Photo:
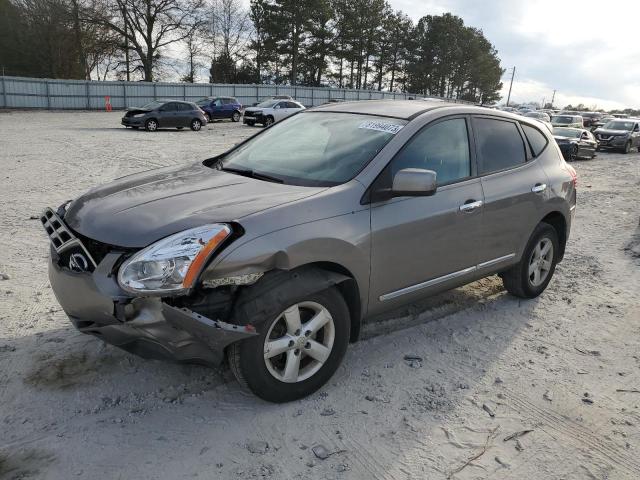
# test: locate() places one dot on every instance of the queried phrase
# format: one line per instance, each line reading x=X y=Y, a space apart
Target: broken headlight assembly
x=173 y=264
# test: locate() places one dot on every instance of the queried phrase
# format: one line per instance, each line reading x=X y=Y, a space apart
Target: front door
x=422 y=243
x=217 y=108
x=169 y=115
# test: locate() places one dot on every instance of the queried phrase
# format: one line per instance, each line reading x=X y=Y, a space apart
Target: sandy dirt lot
x=505 y=388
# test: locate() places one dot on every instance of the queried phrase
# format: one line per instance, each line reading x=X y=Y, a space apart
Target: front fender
x=343 y=241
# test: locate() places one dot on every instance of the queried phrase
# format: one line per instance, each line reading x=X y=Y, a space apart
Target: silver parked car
x=271 y=111
x=273 y=253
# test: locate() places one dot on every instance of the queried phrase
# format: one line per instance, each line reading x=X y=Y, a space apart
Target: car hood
x=564 y=139
x=611 y=132
x=137 y=210
x=253 y=109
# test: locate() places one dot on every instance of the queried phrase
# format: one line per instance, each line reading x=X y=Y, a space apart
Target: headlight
x=138 y=115
x=172 y=264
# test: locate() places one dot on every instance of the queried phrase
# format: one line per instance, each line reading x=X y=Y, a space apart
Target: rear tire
x=530 y=277
x=196 y=125
x=274 y=378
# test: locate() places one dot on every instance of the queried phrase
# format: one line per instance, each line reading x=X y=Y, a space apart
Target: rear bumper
x=148 y=327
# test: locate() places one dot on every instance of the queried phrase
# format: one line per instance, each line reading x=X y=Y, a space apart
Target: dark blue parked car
x=221 y=107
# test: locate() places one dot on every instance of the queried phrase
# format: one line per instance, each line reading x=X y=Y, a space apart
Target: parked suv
x=221 y=107
x=272 y=253
x=620 y=134
x=573 y=121
x=165 y=114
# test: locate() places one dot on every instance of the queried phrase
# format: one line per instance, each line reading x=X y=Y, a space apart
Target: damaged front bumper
x=149 y=327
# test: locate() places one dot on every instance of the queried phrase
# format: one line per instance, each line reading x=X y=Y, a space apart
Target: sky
x=588 y=51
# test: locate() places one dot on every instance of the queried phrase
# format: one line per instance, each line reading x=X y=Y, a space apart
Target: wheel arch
x=304 y=279
x=559 y=223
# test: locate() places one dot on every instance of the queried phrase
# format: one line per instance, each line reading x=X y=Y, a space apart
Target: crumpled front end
x=152 y=327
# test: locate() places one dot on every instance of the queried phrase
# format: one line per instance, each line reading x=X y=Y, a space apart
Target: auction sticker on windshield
x=381 y=126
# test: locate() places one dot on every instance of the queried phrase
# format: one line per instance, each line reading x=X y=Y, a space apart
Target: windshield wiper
x=252 y=174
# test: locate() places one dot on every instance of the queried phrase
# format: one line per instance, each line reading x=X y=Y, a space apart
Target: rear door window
x=499 y=144
x=537 y=141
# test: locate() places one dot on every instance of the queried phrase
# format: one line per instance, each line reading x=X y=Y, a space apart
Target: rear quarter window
x=499 y=144
x=537 y=140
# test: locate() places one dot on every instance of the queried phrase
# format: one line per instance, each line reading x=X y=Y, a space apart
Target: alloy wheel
x=196 y=125
x=540 y=262
x=299 y=342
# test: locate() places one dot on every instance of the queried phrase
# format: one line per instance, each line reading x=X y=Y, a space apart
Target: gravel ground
x=496 y=387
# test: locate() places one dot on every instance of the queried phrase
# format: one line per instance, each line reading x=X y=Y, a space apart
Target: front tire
x=151 y=125
x=530 y=277
x=574 y=152
x=268 y=121
x=196 y=125
x=298 y=350
x=627 y=147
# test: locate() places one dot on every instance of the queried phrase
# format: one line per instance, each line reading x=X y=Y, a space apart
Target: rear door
x=183 y=114
x=514 y=186
x=420 y=243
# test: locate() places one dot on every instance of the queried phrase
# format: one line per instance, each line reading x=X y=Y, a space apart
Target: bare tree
x=147 y=26
x=230 y=26
x=195 y=49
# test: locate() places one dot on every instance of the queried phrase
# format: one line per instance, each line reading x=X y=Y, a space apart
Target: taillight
x=573 y=173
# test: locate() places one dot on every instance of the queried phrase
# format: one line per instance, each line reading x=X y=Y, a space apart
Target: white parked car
x=271 y=111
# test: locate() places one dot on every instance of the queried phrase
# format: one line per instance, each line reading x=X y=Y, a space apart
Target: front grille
x=97 y=250
x=70 y=250
x=60 y=236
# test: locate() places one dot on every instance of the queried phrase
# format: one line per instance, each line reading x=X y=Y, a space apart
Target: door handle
x=539 y=187
x=470 y=205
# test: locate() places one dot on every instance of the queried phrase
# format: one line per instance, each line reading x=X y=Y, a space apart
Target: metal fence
x=22 y=92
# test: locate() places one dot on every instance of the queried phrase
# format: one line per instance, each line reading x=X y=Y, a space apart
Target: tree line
x=362 y=44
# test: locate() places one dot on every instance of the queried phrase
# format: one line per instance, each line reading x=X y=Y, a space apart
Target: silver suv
x=273 y=253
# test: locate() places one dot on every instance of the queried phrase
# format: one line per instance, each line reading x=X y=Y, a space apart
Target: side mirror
x=414 y=182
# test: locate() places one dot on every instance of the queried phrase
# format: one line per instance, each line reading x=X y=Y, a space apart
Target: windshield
x=152 y=105
x=204 y=101
x=315 y=148
x=618 y=125
x=267 y=103
x=564 y=119
x=567 y=132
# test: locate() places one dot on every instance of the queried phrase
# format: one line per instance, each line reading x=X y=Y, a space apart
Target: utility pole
x=513 y=74
x=552 y=98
